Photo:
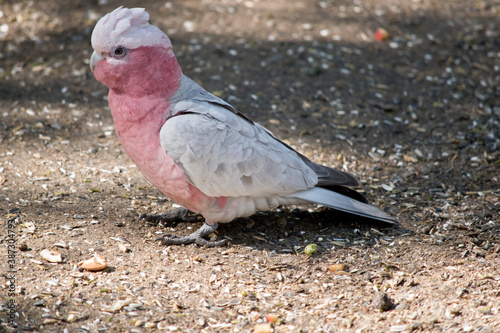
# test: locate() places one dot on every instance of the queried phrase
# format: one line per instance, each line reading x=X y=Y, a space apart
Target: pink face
x=136 y=72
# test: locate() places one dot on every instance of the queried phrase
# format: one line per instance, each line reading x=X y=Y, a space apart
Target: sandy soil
x=414 y=117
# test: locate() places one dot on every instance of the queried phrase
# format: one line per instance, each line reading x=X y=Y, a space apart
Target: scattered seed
x=310 y=249
x=336 y=268
x=120 y=239
x=61 y=244
x=40 y=303
x=116 y=306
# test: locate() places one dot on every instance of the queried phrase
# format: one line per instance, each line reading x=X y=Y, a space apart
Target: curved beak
x=94 y=59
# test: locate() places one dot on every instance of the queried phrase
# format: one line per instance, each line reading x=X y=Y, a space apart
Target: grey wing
x=192 y=91
x=225 y=155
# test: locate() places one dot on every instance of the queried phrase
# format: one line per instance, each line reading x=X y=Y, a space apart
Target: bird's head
x=130 y=55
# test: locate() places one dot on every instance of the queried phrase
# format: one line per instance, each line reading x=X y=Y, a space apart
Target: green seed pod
x=310 y=249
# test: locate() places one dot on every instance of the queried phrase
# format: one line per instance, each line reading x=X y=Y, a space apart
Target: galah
x=196 y=148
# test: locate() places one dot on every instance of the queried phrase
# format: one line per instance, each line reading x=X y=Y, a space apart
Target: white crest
x=128 y=27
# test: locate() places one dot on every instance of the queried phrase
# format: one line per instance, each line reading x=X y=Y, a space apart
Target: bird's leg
x=195 y=237
x=172 y=218
x=179 y=215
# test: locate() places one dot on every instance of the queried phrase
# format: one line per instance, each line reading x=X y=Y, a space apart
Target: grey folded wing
x=225 y=154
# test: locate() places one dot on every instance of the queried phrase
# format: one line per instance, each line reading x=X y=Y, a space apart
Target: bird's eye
x=119 y=52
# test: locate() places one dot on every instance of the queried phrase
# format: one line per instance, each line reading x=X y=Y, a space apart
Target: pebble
x=23 y=246
x=124 y=247
x=262 y=328
x=53 y=256
x=96 y=263
x=336 y=268
x=382 y=302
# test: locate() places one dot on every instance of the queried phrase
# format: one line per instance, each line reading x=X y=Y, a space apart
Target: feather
x=343 y=203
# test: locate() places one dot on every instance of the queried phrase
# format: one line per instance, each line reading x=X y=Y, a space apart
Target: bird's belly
x=163 y=173
x=245 y=206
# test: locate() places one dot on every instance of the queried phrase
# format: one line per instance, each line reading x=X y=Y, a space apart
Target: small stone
x=336 y=268
x=189 y=26
x=282 y=223
x=262 y=328
x=97 y=263
x=200 y=321
x=23 y=246
x=382 y=302
x=53 y=256
x=124 y=247
x=453 y=311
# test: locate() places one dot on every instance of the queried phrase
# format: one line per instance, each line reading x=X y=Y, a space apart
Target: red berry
x=381 y=34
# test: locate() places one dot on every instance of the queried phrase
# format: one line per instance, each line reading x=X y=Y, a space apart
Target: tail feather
x=343 y=203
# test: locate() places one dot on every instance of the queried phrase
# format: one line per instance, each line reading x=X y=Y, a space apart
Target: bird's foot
x=195 y=237
x=172 y=218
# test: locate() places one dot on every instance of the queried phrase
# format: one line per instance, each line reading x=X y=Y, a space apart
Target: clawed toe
x=176 y=216
x=168 y=239
x=170 y=219
x=152 y=220
x=195 y=237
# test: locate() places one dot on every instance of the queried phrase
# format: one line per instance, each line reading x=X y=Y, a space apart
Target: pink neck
x=141 y=86
x=127 y=115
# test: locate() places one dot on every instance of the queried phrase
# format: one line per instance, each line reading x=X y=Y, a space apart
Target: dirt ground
x=415 y=117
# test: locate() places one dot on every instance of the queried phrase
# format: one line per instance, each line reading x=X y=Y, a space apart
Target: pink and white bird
x=196 y=148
